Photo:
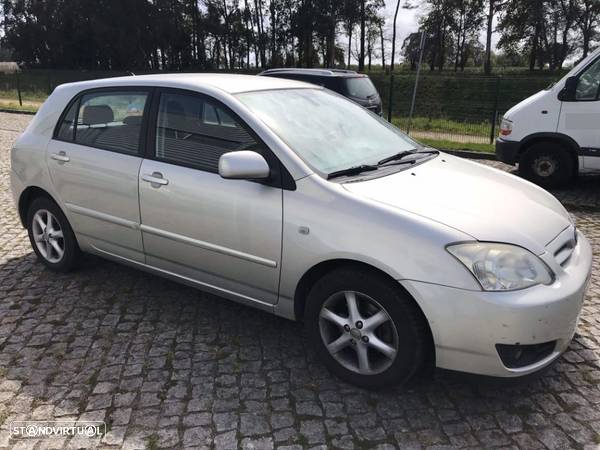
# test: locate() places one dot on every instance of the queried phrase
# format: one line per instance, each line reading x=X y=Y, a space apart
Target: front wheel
x=51 y=235
x=547 y=164
x=365 y=329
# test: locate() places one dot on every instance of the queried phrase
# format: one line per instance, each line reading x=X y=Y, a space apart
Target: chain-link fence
x=451 y=110
x=455 y=109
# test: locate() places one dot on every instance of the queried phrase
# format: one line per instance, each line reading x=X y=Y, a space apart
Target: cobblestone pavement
x=167 y=366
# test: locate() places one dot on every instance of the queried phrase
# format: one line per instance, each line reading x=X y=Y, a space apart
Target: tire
x=60 y=236
x=547 y=164
x=404 y=330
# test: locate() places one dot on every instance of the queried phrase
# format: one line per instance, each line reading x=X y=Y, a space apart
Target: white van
x=555 y=134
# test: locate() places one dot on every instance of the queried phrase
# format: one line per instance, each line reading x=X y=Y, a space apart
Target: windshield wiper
x=352 y=171
x=402 y=155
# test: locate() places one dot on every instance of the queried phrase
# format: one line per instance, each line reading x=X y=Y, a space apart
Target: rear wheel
x=51 y=235
x=365 y=329
x=547 y=164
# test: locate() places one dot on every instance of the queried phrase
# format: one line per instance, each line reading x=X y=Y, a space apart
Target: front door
x=94 y=161
x=580 y=118
x=224 y=234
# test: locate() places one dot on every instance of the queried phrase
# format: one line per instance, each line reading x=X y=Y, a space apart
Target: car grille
x=563 y=246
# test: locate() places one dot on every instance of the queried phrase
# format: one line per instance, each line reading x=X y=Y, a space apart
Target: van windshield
x=329 y=132
x=360 y=87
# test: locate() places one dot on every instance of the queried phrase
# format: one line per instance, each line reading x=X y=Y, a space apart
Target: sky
x=408 y=22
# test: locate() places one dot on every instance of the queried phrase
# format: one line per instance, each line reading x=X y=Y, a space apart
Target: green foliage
x=445 y=144
x=466 y=98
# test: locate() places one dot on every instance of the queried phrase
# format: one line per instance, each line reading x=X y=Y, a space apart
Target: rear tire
x=386 y=326
x=51 y=235
x=547 y=164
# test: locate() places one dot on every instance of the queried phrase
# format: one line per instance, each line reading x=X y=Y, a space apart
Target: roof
x=230 y=83
x=316 y=72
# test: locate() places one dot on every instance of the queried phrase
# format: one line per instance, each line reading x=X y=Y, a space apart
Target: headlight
x=506 y=127
x=502 y=267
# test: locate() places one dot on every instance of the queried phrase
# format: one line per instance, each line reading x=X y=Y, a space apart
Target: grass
x=448 y=126
x=14 y=106
x=419 y=124
x=450 y=145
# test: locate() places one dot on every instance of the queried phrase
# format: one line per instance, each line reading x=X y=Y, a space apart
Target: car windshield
x=360 y=87
x=329 y=132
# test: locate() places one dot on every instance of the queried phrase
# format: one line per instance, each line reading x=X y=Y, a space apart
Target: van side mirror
x=243 y=165
x=569 y=92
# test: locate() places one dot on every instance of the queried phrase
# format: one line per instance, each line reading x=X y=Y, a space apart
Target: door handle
x=60 y=156
x=156 y=179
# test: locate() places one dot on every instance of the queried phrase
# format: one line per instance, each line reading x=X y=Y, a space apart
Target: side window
x=195 y=132
x=66 y=130
x=111 y=121
x=588 y=87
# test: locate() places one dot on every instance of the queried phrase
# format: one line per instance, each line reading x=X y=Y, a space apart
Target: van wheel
x=547 y=164
x=365 y=329
x=51 y=235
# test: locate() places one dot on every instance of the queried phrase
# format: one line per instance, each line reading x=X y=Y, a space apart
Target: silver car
x=289 y=198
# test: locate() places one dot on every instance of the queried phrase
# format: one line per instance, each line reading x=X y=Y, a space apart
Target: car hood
x=485 y=203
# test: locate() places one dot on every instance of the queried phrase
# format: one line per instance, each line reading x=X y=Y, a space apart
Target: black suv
x=356 y=86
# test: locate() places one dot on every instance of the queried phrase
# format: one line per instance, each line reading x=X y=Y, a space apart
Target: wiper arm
x=396 y=157
x=402 y=155
x=352 y=171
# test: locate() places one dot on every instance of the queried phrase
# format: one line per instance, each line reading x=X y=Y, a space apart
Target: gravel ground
x=166 y=366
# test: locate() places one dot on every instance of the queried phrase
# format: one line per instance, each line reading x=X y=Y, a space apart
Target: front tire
x=547 y=164
x=365 y=329
x=51 y=236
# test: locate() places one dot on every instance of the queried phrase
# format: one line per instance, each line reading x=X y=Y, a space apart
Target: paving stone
x=169 y=366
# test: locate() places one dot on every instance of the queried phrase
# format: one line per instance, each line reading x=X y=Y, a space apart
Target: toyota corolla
x=290 y=198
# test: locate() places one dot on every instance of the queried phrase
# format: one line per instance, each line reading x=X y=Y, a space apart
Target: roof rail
x=303 y=70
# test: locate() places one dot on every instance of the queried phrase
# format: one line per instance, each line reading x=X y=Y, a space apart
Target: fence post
x=495 y=112
x=414 y=96
x=19 y=89
x=390 y=98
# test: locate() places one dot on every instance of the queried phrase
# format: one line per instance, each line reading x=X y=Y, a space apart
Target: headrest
x=97 y=114
x=132 y=120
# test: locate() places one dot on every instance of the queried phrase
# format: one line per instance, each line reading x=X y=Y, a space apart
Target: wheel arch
x=312 y=275
x=25 y=199
x=558 y=138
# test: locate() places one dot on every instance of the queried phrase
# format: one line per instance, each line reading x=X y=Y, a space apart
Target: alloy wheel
x=48 y=236
x=358 y=332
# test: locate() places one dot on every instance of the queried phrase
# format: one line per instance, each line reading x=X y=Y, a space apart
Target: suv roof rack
x=323 y=72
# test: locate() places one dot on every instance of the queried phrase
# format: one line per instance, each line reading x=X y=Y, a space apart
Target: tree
x=587 y=19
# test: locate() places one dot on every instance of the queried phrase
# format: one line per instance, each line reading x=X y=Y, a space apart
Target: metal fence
x=450 y=109
x=459 y=109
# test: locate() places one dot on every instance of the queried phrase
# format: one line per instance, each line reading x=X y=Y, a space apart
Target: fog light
x=517 y=356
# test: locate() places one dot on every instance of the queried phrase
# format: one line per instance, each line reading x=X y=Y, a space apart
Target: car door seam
x=208 y=246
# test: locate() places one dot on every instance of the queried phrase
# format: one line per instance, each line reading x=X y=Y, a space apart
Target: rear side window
x=194 y=131
x=106 y=120
x=66 y=130
x=360 y=87
x=111 y=121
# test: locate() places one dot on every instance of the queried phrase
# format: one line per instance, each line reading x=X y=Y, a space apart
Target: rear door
x=224 y=234
x=580 y=118
x=94 y=160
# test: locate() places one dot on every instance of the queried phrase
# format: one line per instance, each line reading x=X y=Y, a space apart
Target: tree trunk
x=487 y=68
x=394 y=37
x=349 y=45
x=361 y=58
x=274 y=58
x=382 y=47
x=369 y=53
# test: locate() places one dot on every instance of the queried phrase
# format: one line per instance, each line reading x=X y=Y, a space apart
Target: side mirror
x=243 y=165
x=569 y=92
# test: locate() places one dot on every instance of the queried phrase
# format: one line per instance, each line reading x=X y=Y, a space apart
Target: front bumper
x=507 y=151
x=467 y=325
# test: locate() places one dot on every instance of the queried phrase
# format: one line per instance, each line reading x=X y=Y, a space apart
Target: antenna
x=132 y=74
